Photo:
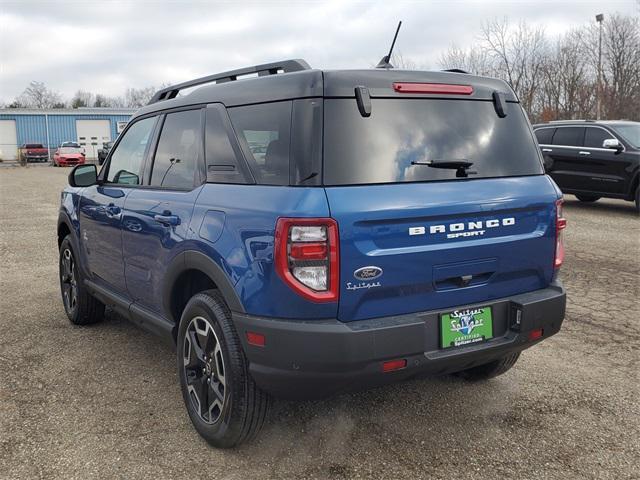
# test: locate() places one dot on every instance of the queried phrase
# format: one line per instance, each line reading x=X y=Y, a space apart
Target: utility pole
x=599 y=19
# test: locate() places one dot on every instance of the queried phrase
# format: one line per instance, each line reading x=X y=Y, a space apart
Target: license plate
x=465 y=327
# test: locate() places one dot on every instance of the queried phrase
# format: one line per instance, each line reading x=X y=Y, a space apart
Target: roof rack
x=455 y=70
x=284 y=66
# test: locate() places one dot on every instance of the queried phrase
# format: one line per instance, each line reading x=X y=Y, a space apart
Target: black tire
x=638 y=199
x=235 y=407
x=79 y=305
x=588 y=198
x=489 y=370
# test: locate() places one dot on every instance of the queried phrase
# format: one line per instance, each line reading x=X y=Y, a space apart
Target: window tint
x=177 y=156
x=221 y=151
x=264 y=131
x=544 y=135
x=126 y=160
x=570 y=136
x=401 y=137
x=595 y=136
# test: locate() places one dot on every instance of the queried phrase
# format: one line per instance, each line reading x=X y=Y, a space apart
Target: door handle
x=583 y=153
x=547 y=150
x=167 y=219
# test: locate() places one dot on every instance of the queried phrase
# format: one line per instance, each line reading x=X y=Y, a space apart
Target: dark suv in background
x=592 y=159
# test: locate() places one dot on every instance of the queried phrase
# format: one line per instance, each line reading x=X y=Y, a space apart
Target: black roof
x=308 y=82
x=557 y=123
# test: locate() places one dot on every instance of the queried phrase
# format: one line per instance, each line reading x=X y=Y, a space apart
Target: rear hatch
x=418 y=234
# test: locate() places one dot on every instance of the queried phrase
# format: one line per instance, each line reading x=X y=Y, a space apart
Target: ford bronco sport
x=308 y=232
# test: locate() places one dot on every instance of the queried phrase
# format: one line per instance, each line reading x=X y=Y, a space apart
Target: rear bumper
x=315 y=359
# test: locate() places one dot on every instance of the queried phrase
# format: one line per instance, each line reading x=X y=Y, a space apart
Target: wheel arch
x=192 y=272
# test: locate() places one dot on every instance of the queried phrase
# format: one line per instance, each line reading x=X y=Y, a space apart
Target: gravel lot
x=104 y=401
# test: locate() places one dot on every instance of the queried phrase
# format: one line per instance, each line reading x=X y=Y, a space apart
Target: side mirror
x=612 y=143
x=83 y=176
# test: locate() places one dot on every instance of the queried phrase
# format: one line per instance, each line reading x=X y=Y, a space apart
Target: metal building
x=90 y=127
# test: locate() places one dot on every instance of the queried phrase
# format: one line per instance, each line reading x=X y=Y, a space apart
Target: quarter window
x=221 y=150
x=595 y=137
x=126 y=159
x=544 y=135
x=264 y=134
x=178 y=155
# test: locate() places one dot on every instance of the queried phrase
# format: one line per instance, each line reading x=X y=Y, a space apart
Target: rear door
x=156 y=217
x=568 y=169
x=416 y=238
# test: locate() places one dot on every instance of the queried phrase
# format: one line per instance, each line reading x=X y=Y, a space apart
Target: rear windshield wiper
x=460 y=166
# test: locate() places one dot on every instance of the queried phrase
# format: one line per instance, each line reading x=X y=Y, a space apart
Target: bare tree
x=557 y=79
x=519 y=55
x=37 y=95
x=621 y=67
x=138 y=97
x=82 y=98
x=398 y=60
x=474 y=60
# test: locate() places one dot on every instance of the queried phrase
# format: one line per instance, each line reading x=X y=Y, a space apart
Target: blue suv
x=303 y=232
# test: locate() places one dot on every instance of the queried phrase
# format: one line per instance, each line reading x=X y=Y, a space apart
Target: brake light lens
x=307 y=257
x=561 y=224
x=433 y=88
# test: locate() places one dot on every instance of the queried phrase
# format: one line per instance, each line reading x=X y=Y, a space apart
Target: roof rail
x=284 y=66
x=570 y=121
x=455 y=70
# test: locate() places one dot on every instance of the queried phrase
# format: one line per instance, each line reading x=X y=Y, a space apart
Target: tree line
x=557 y=78
x=38 y=95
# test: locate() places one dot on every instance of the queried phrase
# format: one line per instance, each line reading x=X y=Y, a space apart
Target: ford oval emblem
x=367 y=273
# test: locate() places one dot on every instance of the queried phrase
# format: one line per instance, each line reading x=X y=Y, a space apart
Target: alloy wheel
x=69 y=280
x=204 y=370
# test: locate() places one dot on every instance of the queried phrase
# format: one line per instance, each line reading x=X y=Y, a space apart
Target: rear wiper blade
x=460 y=166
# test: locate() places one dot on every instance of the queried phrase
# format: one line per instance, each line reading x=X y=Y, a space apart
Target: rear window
x=401 y=132
x=34 y=145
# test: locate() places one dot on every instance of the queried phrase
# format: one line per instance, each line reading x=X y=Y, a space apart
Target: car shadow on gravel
x=623 y=207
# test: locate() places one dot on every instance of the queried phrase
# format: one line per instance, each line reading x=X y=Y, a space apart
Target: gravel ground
x=104 y=401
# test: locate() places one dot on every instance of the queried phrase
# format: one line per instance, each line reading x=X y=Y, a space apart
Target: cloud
x=107 y=46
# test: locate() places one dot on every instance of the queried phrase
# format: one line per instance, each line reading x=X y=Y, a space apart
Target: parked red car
x=65 y=156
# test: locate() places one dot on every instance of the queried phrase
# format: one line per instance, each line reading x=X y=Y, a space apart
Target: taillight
x=561 y=224
x=306 y=256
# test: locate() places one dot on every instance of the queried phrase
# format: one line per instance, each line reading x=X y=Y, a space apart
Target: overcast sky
x=107 y=46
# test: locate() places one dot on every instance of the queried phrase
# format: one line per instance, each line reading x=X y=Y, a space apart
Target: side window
x=595 y=136
x=264 y=132
x=570 y=136
x=544 y=135
x=176 y=162
x=126 y=159
x=224 y=162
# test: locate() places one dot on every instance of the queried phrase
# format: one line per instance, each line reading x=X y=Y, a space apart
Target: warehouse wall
x=62 y=128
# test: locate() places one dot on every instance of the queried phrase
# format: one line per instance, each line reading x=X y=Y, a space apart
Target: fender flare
x=194 y=260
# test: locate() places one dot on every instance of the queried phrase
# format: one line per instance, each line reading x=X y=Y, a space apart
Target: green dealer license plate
x=466 y=326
